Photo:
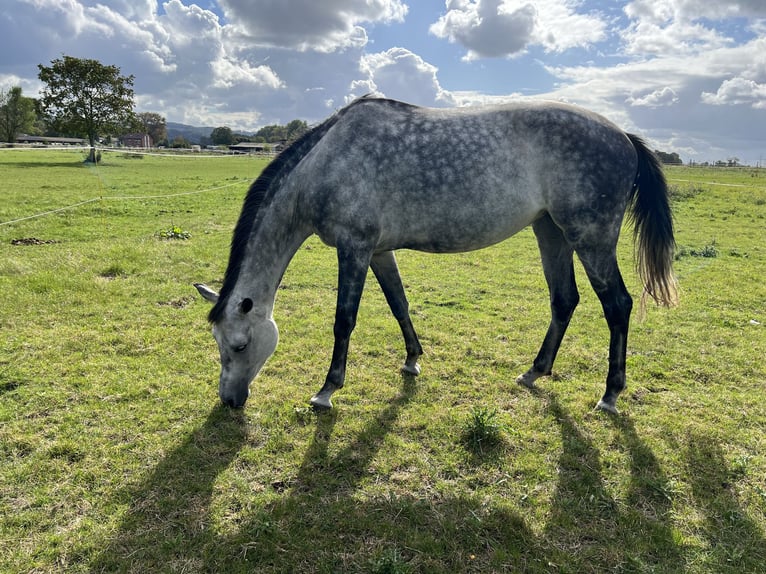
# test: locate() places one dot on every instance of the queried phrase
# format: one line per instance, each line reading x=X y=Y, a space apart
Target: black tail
x=653 y=227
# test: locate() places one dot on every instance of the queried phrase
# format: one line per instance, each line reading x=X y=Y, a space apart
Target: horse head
x=246 y=339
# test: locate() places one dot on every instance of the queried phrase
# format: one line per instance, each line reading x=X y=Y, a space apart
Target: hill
x=192 y=134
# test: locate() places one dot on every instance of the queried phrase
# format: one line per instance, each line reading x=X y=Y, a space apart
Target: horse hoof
x=320 y=404
x=413 y=370
x=602 y=406
x=526 y=381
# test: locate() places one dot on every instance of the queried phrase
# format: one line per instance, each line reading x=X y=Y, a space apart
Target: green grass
x=115 y=456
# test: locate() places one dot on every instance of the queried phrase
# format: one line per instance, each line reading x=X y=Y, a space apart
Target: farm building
x=249 y=147
x=136 y=140
x=257 y=147
x=49 y=140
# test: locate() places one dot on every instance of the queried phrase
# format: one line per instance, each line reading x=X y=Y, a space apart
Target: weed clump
x=482 y=430
x=174 y=233
x=708 y=251
x=389 y=562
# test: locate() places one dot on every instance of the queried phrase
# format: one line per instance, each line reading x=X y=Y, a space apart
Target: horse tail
x=653 y=227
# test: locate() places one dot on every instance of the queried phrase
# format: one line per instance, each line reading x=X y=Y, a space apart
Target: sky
x=688 y=75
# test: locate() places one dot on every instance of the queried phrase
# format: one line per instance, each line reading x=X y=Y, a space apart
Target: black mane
x=260 y=189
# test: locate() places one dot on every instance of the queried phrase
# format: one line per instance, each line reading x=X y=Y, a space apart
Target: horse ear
x=246 y=306
x=207 y=293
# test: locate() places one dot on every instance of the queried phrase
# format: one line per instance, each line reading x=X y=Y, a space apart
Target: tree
x=274 y=133
x=17 y=114
x=180 y=142
x=86 y=97
x=154 y=124
x=271 y=133
x=669 y=158
x=222 y=136
x=296 y=129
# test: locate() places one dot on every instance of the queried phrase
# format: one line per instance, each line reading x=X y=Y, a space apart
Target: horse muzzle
x=234 y=398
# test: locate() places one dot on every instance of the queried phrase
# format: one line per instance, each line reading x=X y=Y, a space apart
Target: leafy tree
x=296 y=129
x=222 y=136
x=180 y=142
x=17 y=114
x=274 y=133
x=271 y=133
x=84 y=96
x=669 y=158
x=154 y=124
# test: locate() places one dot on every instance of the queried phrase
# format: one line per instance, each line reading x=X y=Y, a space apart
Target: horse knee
x=344 y=325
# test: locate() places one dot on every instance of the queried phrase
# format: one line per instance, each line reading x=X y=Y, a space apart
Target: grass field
x=116 y=457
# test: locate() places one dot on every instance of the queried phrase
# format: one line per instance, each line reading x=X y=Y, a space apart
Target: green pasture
x=115 y=455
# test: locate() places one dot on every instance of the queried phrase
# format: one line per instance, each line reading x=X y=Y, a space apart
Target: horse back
x=449 y=180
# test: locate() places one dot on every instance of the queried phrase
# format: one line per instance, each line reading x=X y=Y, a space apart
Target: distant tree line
x=268 y=134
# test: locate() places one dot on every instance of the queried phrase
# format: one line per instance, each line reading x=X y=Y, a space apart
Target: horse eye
x=240 y=348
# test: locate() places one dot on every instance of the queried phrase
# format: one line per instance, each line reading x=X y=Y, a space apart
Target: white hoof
x=414 y=370
x=526 y=380
x=321 y=403
x=607 y=407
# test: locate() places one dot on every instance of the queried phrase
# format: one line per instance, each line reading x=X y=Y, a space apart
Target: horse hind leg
x=606 y=280
x=387 y=273
x=558 y=267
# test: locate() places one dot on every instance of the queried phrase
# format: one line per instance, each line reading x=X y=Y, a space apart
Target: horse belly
x=476 y=222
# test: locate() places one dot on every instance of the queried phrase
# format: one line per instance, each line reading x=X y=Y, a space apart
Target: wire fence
x=173 y=152
x=747 y=185
x=115 y=198
x=103 y=197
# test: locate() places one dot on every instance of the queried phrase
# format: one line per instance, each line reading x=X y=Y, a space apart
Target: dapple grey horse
x=381 y=175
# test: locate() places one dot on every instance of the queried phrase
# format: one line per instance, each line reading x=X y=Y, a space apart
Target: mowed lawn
x=115 y=455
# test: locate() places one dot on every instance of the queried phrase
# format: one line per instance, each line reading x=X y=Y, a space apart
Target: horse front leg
x=387 y=273
x=352 y=272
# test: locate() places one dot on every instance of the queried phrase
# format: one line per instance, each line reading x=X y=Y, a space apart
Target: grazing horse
x=381 y=175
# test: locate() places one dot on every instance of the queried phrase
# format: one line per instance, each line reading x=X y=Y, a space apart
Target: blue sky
x=690 y=75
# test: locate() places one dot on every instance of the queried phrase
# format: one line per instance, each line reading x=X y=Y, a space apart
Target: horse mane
x=259 y=193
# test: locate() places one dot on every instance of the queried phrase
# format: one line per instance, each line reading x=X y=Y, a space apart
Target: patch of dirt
x=32 y=241
x=181 y=303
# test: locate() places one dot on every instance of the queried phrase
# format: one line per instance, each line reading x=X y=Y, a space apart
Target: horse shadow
x=166 y=514
x=735 y=541
x=586 y=529
x=588 y=524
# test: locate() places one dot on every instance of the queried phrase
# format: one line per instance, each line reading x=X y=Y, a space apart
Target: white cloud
x=660 y=32
x=486 y=28
x=229 y=73
x=684 y=26
x=738 y=91
x=309 y=24
x=661 y=97
x=400 y=74
x=503 y=28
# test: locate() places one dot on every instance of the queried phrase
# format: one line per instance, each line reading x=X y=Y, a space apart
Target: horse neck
x=272 y=246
